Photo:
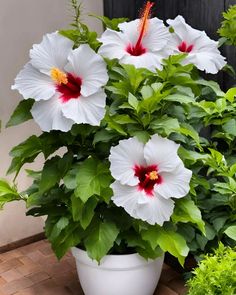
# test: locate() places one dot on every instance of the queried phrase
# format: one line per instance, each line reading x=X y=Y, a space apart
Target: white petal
x=114 y=44
x=154 y=210
x=148 y=60
x=184 y=31
x=173 y=44
x=126 y=196
x=204 y=55
x=130 y=30
x=52 y=52
x=175 y=184
x=86 y=110
x=33 y=84
x=157 y=35
x=155 y=38
x=162 y=152
x=209 y=62
x=90 y=67
x=48 y=115
x=124 y=157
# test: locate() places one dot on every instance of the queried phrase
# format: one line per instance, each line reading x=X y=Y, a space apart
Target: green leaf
x=201 y=241
x=110 y=23
x=23 y=153
x=168 y=240
x=83 y=212
x=21 y=113
x=106 y=194
x=7 y=193
x=142 y=136
x=103 y=136
x=28 y=148
x=186 y=211
x=188 y=130
x=213 y=85
x=232 y=170
x=69 y=237
x=148 y=252
x=133 y=101
x=179 y=97
x=100 y=239
x=151 y=104
x=191 y=156
x=219 y=222
x=114 y=126
x=210 y=232
x=53 y=171
x=123 y=119
x=147 y=91
x=217 y=156
x=58 y=227
x=230 y=127
x=70 y=178
x=92 y=176
x=230 y=94
x=135 y=76
x=231 y=232
x=165 y=124
x=72 y=239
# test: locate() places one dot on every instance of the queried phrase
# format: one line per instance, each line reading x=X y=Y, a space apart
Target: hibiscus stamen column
x=138 y=48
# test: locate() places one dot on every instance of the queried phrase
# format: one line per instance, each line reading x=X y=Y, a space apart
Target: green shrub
x=228 y=25
x=215 y=274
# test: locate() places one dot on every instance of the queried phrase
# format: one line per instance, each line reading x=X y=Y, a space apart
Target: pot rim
x=114 y=261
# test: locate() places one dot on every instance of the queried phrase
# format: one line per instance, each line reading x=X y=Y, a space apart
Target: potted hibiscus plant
x=125 y=109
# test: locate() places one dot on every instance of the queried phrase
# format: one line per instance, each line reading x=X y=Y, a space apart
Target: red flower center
x=71 y=89
x=138 y=49
x=184 y=47
x=148 y=177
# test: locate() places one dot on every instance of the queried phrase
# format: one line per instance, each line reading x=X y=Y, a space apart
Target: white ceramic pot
x=117 y=274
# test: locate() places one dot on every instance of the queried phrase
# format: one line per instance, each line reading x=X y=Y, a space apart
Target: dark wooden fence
x=201 y=14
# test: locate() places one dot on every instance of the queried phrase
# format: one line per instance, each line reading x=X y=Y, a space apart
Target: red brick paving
x=34 y=270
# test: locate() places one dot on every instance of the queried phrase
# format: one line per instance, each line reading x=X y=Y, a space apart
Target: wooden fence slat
x=120 y=8
x=200 y=14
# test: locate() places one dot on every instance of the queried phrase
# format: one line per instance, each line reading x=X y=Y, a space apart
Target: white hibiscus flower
x=140 y=42
x=202 y=51
x=147 y=177
x=65 y=83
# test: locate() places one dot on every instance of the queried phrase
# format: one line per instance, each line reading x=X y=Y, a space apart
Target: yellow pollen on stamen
x=153 y=175
x=58 y=76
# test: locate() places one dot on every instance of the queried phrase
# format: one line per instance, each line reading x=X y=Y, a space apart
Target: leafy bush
x=73 y=190
x=215 y=274
x=228 y=26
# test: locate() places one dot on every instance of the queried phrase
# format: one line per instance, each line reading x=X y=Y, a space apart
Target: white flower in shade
x=147 y=177
x=66 y=84
x=202 y=51
x=139 y=42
